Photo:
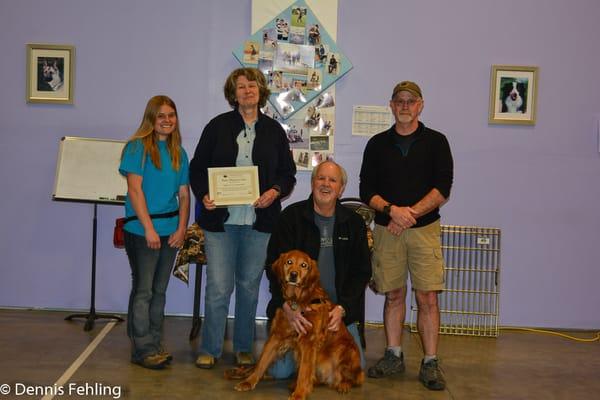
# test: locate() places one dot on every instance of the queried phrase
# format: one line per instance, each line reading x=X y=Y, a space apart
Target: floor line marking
x=81 y=359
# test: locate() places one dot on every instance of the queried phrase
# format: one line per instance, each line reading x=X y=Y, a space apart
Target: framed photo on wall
x=513 y=95
x=50 y=73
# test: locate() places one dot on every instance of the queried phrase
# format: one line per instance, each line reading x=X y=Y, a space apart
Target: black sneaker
x=431 y=375
x=390 y=364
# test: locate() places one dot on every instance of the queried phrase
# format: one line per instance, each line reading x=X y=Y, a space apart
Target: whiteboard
x=87 y=169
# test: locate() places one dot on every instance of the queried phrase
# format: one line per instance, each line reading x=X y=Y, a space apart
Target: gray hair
x=342 y=171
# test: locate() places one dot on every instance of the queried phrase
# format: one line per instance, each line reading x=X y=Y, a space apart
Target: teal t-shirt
x=160 y=186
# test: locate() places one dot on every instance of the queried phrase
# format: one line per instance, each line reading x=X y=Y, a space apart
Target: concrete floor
x=38 y=347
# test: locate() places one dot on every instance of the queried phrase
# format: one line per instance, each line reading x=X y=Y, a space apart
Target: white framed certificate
x=233 y=186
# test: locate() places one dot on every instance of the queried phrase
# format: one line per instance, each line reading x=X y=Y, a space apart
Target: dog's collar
x=294 y=306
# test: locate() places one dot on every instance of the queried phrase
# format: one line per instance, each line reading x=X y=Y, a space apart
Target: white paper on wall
x=370 y=120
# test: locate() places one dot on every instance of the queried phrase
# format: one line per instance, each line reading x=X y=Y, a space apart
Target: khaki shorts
x=416 y=250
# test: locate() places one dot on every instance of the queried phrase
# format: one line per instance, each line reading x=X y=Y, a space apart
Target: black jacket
x=404 y=180
x=218 y=148
x=296 y=229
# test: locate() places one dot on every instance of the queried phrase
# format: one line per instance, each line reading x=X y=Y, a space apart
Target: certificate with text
x=229 y=186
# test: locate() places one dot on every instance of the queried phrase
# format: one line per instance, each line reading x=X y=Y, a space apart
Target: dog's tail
x=239 y=372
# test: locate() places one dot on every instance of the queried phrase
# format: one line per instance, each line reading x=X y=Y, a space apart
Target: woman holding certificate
x=237 y=229
x=157 y=207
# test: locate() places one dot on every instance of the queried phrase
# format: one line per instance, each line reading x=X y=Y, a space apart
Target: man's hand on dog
x=300 y=324
x=336 y=317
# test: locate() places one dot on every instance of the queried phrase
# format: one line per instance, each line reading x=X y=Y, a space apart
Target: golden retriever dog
x=323 y=356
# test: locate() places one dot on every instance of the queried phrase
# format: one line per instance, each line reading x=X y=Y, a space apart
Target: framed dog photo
x=513 y=95
x=50 y=73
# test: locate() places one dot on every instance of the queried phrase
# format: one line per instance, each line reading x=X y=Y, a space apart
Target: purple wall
x=538 y=184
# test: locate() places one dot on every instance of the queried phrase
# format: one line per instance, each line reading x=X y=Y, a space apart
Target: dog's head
x=513 y=95
x=49 y=71
x=513 y=90
x=296 y=271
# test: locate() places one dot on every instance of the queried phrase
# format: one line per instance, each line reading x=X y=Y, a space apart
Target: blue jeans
x=285 y=367
x=150 y=272
x=235 y=257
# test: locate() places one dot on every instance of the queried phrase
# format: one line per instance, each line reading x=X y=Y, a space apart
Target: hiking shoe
x=431 y=375
x=168 y=357
x=388 y=365
x=205 y=361
x=153 y=361
x=244 y=359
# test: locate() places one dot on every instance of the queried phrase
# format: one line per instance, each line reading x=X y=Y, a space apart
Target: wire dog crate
x=469 y=305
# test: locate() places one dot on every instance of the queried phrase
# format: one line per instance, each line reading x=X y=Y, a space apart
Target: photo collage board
x=300 y=62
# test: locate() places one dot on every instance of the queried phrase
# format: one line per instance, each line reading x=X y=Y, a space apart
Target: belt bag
x=119 y=233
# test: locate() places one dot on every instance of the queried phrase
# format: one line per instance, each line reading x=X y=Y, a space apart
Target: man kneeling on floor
x=336 y=237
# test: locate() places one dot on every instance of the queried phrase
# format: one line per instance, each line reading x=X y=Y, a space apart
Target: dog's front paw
x=244 y=386
x=238 y=372
x=297 y=396
x=343 y=387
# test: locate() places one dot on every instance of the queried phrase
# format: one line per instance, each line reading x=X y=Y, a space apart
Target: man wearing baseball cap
x=406 y=175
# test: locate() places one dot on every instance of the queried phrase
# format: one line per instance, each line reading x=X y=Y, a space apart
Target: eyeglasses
x=409 y=102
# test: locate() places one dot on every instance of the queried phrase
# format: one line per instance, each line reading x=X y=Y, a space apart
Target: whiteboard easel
x=87 y=171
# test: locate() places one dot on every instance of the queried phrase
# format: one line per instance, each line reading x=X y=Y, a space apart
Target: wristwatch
x=293 y=305
x=387 y=209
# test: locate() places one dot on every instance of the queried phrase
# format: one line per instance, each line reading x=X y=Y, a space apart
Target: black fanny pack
x=153 y=216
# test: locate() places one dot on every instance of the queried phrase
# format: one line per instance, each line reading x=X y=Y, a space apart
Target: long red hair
x=150 y=140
